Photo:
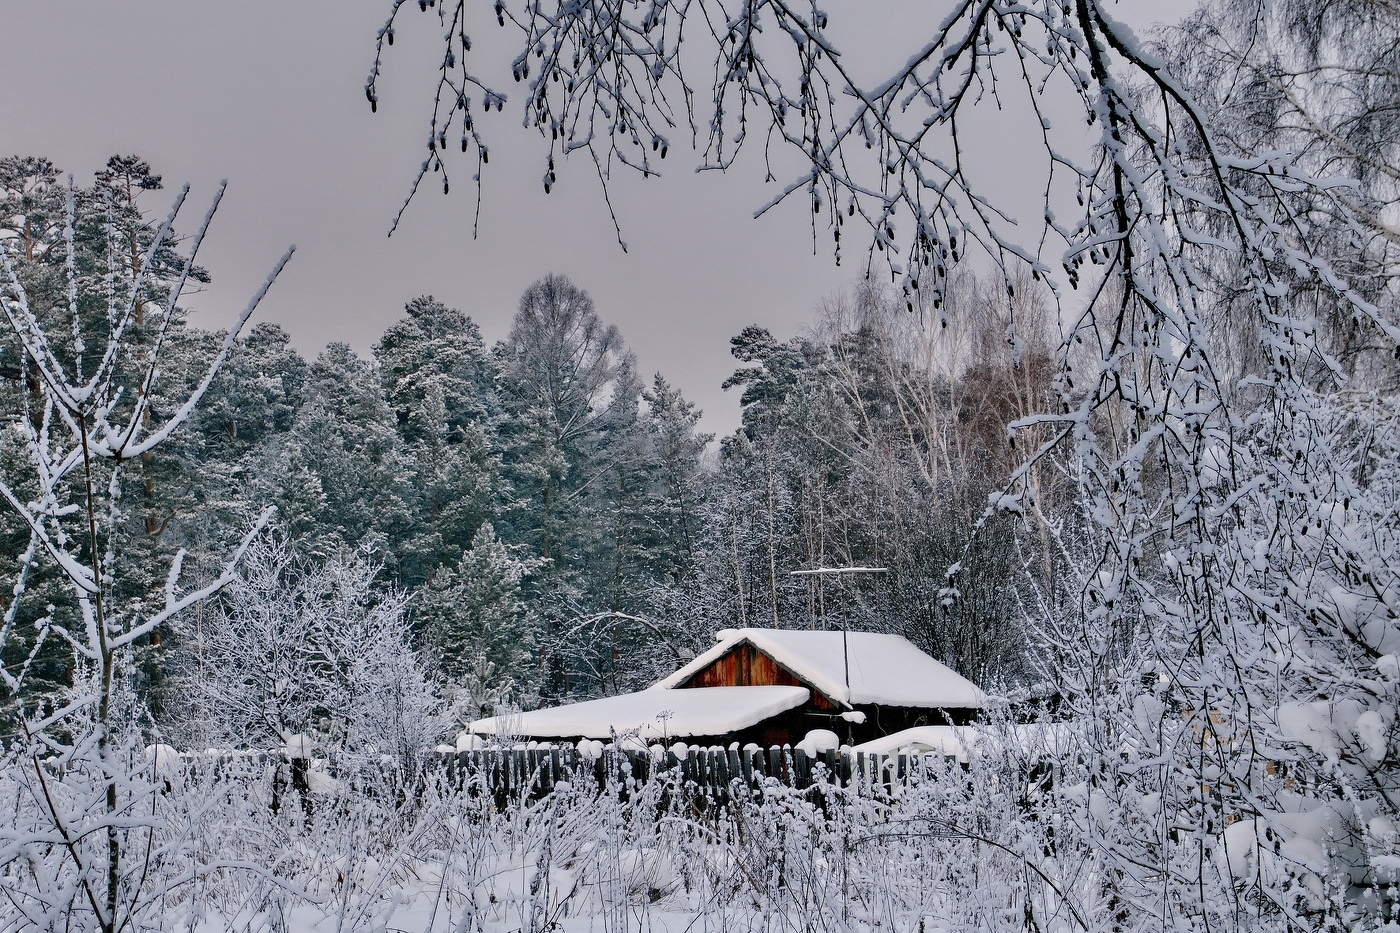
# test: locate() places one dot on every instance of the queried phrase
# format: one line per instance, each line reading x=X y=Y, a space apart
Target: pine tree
x=569 y=391
x=339 y=476
x=561 y=365
x=674 y=453
x=442 y=384
x=434 y=345
x=772 y=375
x=648 y=510
x=476 y=619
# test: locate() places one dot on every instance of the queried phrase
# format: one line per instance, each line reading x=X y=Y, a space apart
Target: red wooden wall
x=746 y=666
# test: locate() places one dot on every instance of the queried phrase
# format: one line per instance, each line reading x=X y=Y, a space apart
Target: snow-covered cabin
x=770 y=686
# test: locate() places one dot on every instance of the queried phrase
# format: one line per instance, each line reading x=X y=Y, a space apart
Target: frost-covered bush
x=306 y=651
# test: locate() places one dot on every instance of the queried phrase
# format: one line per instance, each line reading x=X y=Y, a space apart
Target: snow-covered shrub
x=299 y=648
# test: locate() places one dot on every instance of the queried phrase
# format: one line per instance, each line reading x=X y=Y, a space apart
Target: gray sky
x=269 y=94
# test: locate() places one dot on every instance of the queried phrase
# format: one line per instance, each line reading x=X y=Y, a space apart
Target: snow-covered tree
x=481 y=629
x=441 y=382
x=675 y=450
x=338 y=475
x=304 y=649
x=561 y=366
x=72 y=281
x=571 y=441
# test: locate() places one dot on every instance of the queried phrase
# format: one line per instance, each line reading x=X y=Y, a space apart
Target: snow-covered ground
x=210 y=853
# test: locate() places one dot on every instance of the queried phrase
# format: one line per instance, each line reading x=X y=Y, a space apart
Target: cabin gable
x=745 y=665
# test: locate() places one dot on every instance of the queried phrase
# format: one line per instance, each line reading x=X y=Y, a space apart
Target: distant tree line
x=560 y=524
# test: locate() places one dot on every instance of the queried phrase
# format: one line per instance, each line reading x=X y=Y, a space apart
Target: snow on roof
x=1021 y=739
x=885 y=669
x=652 y=714
x=937 y=740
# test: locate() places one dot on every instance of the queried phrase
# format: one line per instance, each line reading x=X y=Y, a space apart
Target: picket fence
x=702 y=776
x=710 y=771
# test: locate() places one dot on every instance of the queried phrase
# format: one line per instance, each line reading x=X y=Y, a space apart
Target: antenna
x=823 y=572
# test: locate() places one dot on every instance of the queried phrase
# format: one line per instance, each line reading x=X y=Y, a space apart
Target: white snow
x=468 y=742
x=298 y=746
x=884 y=669
x=1388 y=665
x=818 y=741
x=950 y=741
x=961 y=742
x=652 y=714
x=165 y=759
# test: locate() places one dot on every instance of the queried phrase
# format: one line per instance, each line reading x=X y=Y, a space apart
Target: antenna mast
x=824 y=572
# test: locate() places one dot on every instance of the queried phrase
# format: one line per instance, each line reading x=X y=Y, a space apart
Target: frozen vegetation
x=378 y=849
x=1128 y=459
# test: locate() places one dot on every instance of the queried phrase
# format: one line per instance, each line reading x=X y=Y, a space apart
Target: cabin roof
x=885 y=670
x=1025 y=742
x=950 y=741
x=652 y=714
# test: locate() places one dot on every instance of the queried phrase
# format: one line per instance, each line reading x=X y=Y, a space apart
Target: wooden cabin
x=770 y=687
x=861 y=684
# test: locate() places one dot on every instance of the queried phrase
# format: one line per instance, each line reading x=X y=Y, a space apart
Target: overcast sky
x=269 y=94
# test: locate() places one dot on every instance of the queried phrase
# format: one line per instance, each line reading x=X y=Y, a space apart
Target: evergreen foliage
x=561 y=526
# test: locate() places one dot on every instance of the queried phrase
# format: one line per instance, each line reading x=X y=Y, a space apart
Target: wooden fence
x=703 y=774
x=711 y=771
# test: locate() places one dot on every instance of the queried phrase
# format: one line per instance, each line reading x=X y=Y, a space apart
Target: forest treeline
x=557 y=521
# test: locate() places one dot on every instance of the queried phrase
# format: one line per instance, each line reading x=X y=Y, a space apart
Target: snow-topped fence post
x=91 y=354
x=294 y=761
